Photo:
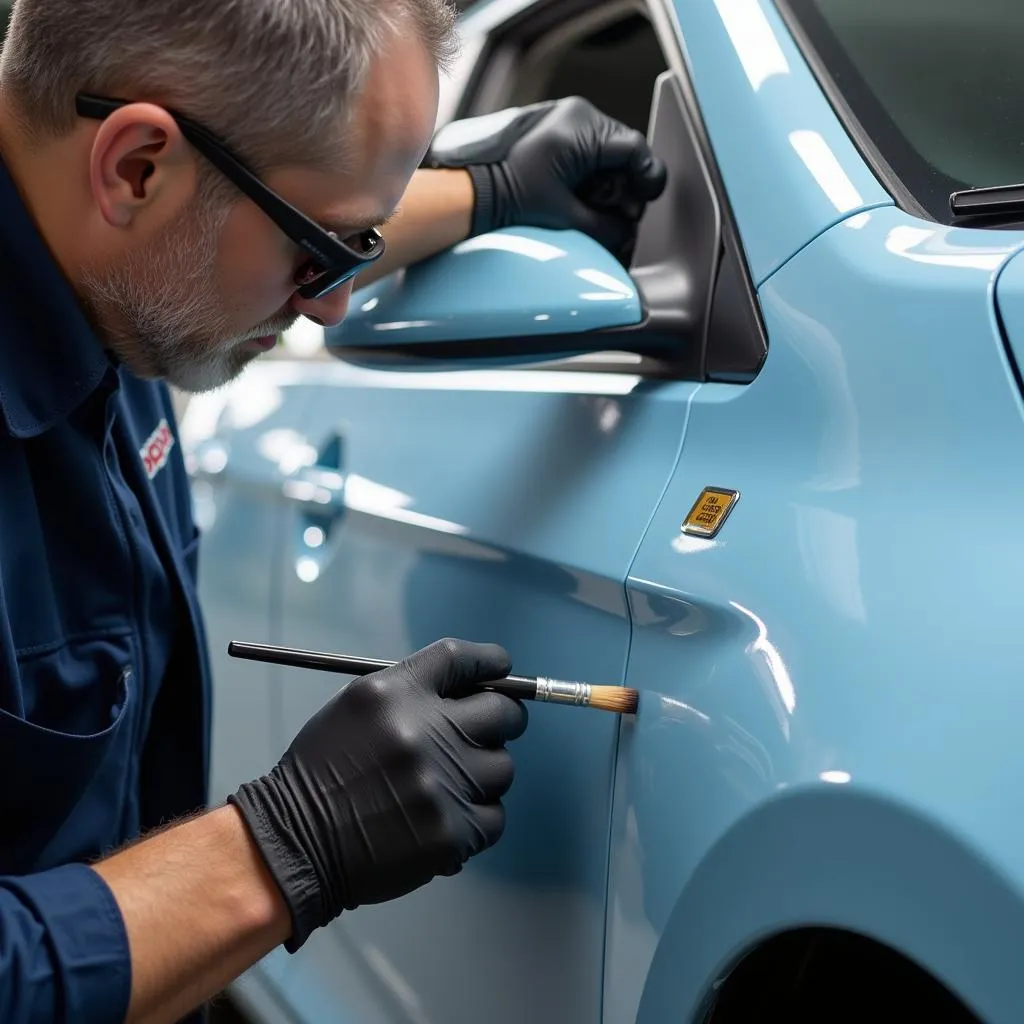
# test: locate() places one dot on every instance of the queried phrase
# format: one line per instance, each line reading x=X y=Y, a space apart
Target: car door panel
x=492 y=505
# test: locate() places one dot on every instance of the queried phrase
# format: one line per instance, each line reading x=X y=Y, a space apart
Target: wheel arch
x=845 y=858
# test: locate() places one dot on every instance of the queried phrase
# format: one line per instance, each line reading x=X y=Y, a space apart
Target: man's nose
x=328 y=311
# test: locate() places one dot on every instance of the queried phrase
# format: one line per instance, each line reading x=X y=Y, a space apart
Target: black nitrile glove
x=557 y=164
x=397 y=779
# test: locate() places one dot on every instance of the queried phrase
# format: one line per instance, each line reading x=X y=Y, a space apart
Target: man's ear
x=140 y=159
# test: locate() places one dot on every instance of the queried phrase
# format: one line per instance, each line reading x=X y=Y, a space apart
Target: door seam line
x=670 y=475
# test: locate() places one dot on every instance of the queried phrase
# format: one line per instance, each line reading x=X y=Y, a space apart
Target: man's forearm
x=199 y=907
x=436 y=212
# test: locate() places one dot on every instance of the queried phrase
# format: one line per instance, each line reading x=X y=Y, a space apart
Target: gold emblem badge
x=710 y=511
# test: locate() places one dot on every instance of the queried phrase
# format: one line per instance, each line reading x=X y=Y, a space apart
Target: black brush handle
x=306 y=659
x=520 y=687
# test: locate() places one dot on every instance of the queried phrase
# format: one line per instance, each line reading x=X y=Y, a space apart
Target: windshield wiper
x=988 y=202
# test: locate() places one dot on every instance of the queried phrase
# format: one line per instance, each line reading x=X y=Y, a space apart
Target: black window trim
x=670 y=32
x=862 y=140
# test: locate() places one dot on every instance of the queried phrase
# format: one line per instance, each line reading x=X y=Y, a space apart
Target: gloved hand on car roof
x=396 y=780
x=557 y=164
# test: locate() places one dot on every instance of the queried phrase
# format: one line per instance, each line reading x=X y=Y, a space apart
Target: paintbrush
x=617 y=699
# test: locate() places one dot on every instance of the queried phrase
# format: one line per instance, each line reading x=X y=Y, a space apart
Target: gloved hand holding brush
x=396 y=780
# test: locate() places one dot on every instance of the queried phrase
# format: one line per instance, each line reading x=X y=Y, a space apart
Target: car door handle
x=319 y=490
x=323 y=483
x=315 y=486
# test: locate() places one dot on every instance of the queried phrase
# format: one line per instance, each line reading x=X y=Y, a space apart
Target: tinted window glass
x=936 y=85
x=630 y=47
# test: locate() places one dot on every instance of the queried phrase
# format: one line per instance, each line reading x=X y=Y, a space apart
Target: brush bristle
x=619 y=699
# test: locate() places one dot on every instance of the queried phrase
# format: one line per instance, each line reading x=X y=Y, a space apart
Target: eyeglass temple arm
x=297 y=224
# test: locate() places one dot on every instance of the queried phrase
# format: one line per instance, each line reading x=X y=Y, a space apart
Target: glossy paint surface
x=830 y=708
x=506 y=284
x=496 y=505
x=788 y=165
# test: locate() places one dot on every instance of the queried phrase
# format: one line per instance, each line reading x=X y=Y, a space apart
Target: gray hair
x=275 y=79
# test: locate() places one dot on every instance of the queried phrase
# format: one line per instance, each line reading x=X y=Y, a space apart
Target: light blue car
x=772 y=476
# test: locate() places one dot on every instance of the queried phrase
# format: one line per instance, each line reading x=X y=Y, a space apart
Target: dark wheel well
x=826 y=976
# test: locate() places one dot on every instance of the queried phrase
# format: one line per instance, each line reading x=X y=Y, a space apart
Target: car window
x=565 y=63
x=935 y=86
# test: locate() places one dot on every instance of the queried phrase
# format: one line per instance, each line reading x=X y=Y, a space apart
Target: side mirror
x=517 y=292
x=520 y=294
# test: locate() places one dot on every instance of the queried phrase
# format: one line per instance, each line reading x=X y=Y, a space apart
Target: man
x=138 y=252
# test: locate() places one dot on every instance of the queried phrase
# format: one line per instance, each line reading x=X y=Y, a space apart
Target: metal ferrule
x=558 y=692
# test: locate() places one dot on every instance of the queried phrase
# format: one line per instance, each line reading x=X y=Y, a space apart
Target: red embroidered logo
x=157 y=449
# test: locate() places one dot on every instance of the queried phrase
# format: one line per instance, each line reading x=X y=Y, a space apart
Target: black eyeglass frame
x=336 y=261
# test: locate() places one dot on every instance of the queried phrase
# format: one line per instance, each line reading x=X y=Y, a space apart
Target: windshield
x=937 y=86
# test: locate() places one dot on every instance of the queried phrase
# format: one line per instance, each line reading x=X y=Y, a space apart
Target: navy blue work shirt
x=104 y=677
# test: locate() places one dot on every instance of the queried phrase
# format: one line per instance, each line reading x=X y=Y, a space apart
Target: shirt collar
x=50 y=357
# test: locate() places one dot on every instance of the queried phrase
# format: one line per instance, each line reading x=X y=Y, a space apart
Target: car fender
x=783 y=685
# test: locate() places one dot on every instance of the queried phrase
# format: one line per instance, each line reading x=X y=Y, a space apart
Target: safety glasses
x=332 y=261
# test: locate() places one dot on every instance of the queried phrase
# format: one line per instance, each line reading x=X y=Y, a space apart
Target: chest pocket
x=66 y=758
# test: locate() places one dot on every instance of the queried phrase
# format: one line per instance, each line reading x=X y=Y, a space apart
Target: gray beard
x=158 y=313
